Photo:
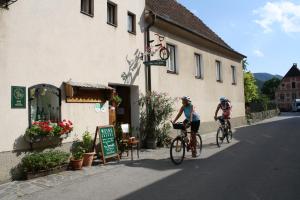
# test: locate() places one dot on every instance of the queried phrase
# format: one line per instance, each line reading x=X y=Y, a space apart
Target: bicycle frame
x=153 y=49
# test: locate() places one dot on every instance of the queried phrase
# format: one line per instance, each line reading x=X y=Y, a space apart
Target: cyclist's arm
x=192 y=112
x=178 y=115
x=218 y=108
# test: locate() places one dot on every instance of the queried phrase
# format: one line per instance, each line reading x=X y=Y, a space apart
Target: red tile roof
x=174 y=12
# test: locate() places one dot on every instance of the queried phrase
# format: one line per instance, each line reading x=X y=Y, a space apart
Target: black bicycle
x=182 y=143
x=223 y=132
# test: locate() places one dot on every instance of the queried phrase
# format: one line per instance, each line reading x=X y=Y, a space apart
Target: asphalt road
x=263 y=163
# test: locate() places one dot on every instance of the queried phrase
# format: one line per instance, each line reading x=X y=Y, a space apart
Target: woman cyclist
x=192 y=118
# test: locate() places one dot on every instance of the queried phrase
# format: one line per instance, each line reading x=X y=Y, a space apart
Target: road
x=263 y=163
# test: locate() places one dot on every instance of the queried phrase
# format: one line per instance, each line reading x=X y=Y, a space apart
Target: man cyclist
x=225 y=106
x=192 y=118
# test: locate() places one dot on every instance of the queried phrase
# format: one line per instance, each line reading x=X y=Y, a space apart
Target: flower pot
x=151 y=143
x=76 y=164
x=88 y=159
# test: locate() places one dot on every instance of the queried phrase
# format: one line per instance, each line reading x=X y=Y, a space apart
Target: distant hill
x=261 y=78
x=265 y=76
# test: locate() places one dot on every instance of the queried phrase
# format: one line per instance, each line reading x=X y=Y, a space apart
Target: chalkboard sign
x=108 y=143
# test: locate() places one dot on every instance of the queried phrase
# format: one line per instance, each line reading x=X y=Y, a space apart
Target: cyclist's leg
x=194 y=130
x=221 y=119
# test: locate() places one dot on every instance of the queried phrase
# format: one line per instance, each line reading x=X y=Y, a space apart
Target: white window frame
x=233 y=75
x=219 y=71
x=172 y=66
x=199 y=66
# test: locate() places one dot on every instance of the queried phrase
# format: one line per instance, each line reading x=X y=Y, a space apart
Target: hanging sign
x=18 y=97
x=108 y=143
x=156 y=62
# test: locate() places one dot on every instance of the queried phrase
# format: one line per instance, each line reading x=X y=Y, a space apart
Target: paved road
x=262 y=163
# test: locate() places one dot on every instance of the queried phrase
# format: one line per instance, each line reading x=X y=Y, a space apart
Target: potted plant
x=39 y=164
x=116 y=99
x=155 y=110
x=41 y=130
x=77 y=151
x=87 y=143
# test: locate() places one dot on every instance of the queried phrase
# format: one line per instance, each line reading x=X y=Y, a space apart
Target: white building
x=96 y=45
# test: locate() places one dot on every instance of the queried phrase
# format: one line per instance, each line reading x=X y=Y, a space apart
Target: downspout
x=152 y=17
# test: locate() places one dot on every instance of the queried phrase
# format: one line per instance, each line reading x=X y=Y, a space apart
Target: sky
x=267 y=32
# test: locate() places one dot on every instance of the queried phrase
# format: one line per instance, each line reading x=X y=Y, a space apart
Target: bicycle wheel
x=164 y=53
x=198 y=145
x=229 y=136
x=220 y=137
x=177 y=150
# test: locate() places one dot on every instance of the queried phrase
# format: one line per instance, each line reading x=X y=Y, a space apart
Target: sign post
x=18 y=97
x=108 y=143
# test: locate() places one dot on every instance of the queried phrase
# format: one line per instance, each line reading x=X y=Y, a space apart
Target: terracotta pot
x=88 y=159
x=76 y=164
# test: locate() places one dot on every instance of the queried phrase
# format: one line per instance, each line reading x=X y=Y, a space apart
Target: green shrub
x=77 y=150
x=35 y=162
x=87 y=142
x=155 y=110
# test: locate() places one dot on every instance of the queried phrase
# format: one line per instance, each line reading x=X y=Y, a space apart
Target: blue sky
x=267 y=32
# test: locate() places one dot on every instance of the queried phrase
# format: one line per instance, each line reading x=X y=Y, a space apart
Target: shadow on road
x=263 y=165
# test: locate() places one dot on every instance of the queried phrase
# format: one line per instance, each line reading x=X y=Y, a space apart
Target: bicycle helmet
x=222 y=99
x=186 y=98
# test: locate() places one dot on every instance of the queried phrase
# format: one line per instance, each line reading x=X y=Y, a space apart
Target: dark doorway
x=122 y=114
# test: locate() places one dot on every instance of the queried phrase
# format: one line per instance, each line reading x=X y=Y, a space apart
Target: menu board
x=108 y=143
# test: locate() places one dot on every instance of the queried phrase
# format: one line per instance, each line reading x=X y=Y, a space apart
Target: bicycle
x=164 y=53
x=182 y=143
x=223 y=132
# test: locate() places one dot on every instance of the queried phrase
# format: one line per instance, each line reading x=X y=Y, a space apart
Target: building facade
x=69 y=58
x=85 y=43
x=289 y=89
x=201 y=64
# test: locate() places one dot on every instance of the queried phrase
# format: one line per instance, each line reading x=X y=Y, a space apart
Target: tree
x=270 y=86
x=245 y=64
x=250 y=87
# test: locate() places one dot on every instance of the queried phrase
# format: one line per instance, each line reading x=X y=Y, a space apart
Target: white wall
x=50 y=41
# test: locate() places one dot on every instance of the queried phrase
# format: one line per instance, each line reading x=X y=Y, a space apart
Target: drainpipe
x=149 y=15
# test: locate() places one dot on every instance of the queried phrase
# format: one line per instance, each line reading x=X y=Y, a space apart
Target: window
x=111 y=13
x=293 y=85
x=171 y=62
x=131 y=23
x=233 y=74
x=199 y=68
x=218 y=71
x=282 y=97
x=44 y=103
x=87 y=7
x=294 y=96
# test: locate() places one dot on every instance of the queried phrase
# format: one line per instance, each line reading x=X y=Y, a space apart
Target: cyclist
x=192 y=119
x=225 y=106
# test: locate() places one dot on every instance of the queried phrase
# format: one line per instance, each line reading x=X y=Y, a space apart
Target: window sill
x=133 y=33
x=115 y=25
x=87 y=14
x=172 y=72
x=199 y=77
x=234 y=84
x=219 y=81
